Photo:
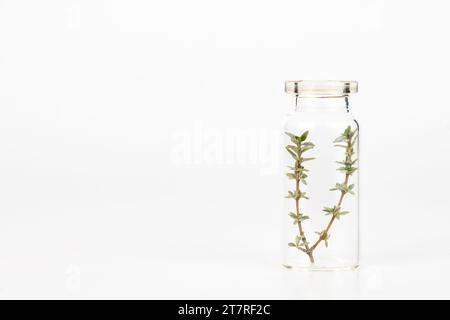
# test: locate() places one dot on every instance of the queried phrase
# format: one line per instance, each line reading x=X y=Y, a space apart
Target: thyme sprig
x=349 y=138
x=298 y=173
x=347 y=141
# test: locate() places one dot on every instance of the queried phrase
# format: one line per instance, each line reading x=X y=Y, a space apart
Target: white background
x=114 y=182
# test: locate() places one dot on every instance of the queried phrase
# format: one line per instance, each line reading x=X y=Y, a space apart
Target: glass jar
x=321 y=180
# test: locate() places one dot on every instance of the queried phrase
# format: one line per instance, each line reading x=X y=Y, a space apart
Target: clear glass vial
x=321 y=181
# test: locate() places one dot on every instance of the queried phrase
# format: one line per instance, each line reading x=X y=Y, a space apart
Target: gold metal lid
x=321 y=88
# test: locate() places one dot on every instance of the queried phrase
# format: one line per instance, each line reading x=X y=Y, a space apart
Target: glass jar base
x=321 y=268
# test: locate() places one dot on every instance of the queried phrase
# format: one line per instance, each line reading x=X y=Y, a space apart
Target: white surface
x=113 y=179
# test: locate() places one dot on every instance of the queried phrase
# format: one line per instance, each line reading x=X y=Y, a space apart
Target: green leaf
x=306 y=149
x=346 y=135
x=294 y=195
x=347 y=162
x=304 y=136
x=348 y=170
x=324 y=236
x=292 y=154
x=341 y=213
x=290 y=195
x=348 y=132
x=291 y=244
x=333 y=210
x=305 y=146
x=340 y=186
x=294 y=138
x=291 y=175
x=306 y=159
x=290 y=135
x=298 y=218
x=327 y=209
x=297 y=170
x=304 y=182
x=340 y=139
x=292 y=147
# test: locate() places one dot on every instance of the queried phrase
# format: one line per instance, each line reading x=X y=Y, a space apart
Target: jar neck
x=322 y=104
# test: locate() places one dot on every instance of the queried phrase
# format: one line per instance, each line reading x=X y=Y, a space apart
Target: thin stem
x=300 y=228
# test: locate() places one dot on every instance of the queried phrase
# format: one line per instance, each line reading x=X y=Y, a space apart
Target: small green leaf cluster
x=335 y=211
x=323 y=235
x=349 y=137
x=298 y=217
x=299 y=146
x=297 y=194
x=343 y=188
x=347 y=166
x=299 y=243
x=349 y=170
x=298 y=175
x=298 y=139
x=298 y=171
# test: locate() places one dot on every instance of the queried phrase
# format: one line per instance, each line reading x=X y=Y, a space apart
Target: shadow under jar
x=321 y=226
